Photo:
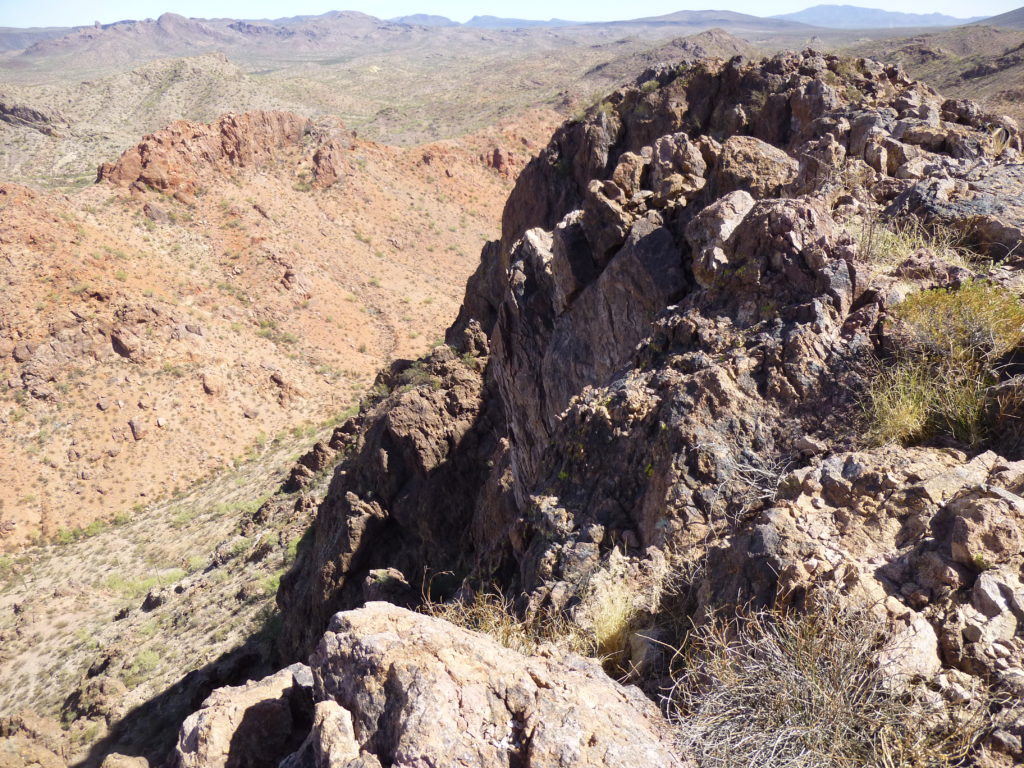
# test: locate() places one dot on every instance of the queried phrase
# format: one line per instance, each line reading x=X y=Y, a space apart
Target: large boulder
x=986 y=207
x=414 y=690
x=401 y=689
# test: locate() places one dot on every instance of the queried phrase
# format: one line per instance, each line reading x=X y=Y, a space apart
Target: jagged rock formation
x=665 y=352
x=366 y=704
x=172 y=159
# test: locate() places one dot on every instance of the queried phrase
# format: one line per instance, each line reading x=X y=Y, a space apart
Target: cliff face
x=665 y=354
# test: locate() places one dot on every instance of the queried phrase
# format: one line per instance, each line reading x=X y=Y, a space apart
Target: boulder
x=754 y=166
x=987 y=206
x=411 y=690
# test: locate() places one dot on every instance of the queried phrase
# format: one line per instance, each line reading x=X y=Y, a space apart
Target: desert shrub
x=494 y=614
x=145 y=663
x=795 y=690
x=950 y=342
x=418 y=375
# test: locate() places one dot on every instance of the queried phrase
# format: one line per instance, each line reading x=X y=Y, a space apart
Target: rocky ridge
x=172 y=159
x=664 y=356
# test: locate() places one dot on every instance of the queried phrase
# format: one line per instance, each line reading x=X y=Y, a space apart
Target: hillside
x=148 y=338
x=17 y=39
x=405 y=394
x=671 y=398
x=979 y=62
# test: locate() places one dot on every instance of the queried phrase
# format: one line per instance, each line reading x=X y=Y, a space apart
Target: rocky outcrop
x=28 y=117
x=29 y=740
x=391 y=687
x=172 y=159
x=664 y=356
x=985 y=206
x=328 y=163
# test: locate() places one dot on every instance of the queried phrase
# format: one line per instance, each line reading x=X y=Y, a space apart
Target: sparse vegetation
x=950 y=342
x=885 y=243
x=494 y=615
x=143 y=666
x=609 y=615
x=795 y=690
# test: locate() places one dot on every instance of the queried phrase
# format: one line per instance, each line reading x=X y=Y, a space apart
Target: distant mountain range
x=173 y=34
x=855 y=17
x=482 y=22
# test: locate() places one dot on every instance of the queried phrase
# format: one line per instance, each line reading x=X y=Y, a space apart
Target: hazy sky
x=29 y=13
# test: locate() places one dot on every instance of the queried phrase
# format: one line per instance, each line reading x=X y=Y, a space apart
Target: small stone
x=973 y=632
x=212 y=384
x=809 y=446
x=138 y=429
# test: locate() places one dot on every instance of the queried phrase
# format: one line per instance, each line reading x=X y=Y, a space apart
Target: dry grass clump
x=886 y=243
x=950 y=343
x=795 y=690
x=494 y=614
x=607 y=622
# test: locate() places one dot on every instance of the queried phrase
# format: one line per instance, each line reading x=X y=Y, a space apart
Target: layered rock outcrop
x=664 y=357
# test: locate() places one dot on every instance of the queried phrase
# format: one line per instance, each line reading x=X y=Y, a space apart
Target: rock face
x=170 y=160
x=397 y=688
x=665 y=353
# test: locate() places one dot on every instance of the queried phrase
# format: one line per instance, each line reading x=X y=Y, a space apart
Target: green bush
x=950 y=342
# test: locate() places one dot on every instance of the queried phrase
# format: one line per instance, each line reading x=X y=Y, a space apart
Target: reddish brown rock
x=171 y=160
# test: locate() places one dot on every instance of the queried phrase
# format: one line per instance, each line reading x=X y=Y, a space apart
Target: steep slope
x=648 y=412
x=225 y=284
x=854 y=17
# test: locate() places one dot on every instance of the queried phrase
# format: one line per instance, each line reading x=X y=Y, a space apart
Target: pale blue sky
x=28 y=13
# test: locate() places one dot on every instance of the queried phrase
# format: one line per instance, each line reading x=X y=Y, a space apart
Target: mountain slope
x=16 y=39
x=497 y=22
x=730 y=20
x=980 y=62
x=855 y=17
x=1013 y=18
